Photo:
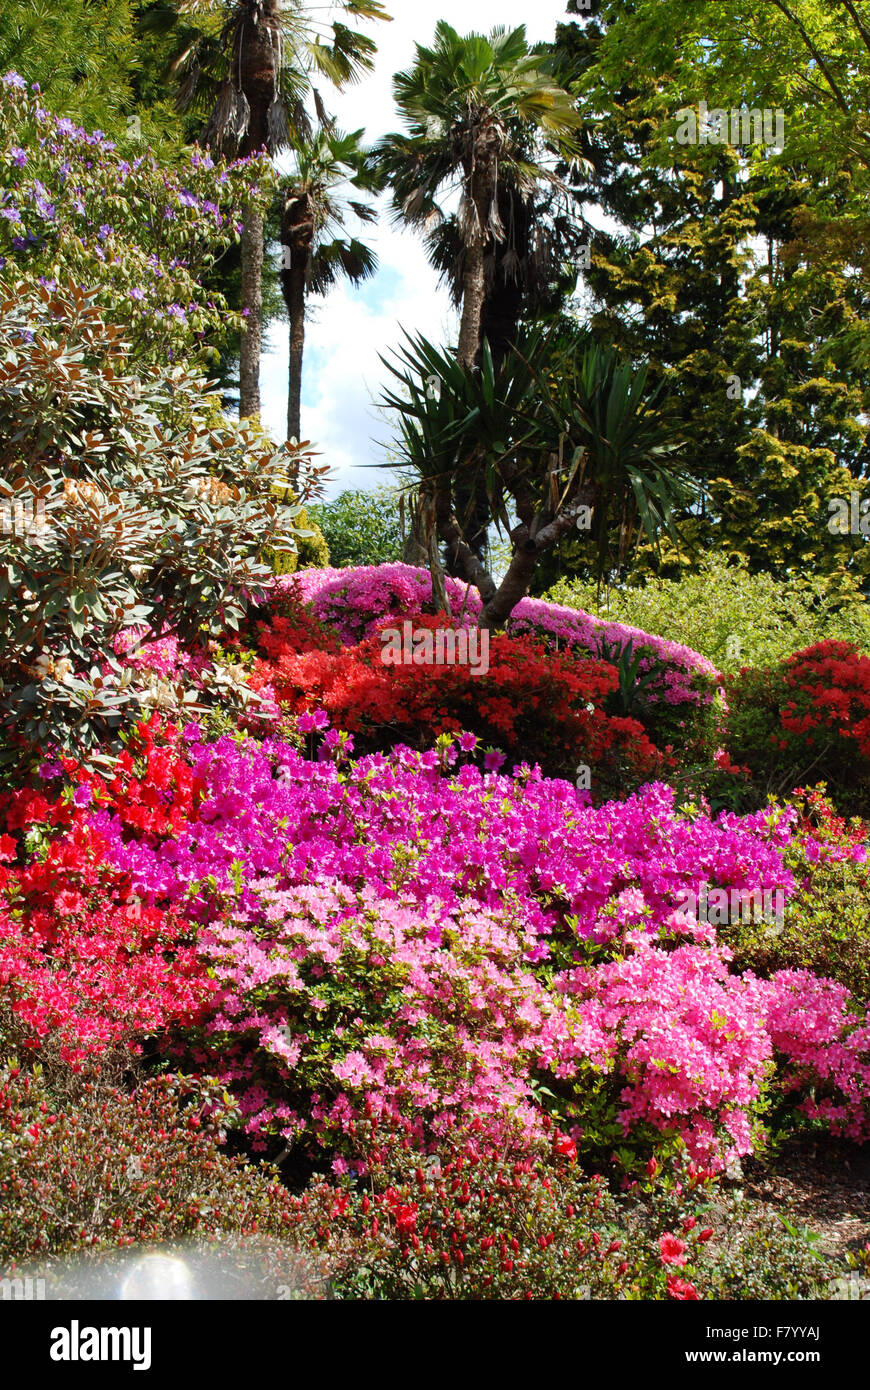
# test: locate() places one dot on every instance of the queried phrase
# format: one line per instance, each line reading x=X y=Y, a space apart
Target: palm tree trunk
x=258 y=46
x=470 y=334
x=252 y=307
x=480 y=189
x=473 y=295
x=296 y=308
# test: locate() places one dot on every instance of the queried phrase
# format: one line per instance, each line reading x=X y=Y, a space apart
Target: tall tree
x=735 y=271
x=252 y=64
x=529 y=274
x=316 y=249
x=477 y=110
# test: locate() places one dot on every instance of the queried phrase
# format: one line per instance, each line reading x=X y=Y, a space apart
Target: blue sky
x=347 y=330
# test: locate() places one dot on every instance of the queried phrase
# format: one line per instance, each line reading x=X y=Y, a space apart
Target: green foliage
x=361 y=528
x=311 y=548
x=141 y=232
x=826 y=925
x=738 y=272
x=628 y=700
x=124 y=510
x=804 y=49
x=727 y=613
x=80 y=53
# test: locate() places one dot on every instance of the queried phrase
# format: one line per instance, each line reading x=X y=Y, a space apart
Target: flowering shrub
x=661 y=1045
x=825 y=1048
x=398 y=826
x=445 y=901
x=139 y=232
x=159 y=514
x=682 y=1040
x=826 y=928
x=544 y=707
x=353 y=601
x=474 y=1222
x=468 y=1222
x=809 y=715
x=503 y=934
x=453 y=1020
x=676 y=697
x=98 y=975
x=82 y=958
x=86 y=1166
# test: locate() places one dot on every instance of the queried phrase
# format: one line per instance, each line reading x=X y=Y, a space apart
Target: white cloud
x=348 y=330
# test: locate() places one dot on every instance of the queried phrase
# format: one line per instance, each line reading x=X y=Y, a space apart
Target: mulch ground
x=825 y=1185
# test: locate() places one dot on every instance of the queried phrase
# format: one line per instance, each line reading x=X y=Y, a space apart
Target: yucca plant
x=560 y=434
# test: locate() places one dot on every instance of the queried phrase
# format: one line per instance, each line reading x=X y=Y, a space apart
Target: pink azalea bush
x=677 y=695
x=355 y=601
x=396 y=825
x=449 y=940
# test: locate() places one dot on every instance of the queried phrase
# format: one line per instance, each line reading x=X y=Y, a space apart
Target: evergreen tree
x=721 y=267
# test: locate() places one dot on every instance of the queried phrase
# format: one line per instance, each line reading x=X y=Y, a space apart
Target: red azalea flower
x=672 y=1249
x=681 y=1289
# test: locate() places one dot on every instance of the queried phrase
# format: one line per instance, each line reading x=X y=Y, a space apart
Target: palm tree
x=252 y=64
x=478 y=110
x=316 y=249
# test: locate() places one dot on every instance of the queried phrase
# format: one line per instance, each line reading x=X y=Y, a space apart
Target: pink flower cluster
x=396 y=825
x=355 y=601
x=825 y=1048
x=389 y=929
x=689 y=1039
x=329 y=997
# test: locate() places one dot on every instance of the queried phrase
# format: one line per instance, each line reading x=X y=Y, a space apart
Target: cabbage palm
x=478 y=110
x=251 y=66
x=317 y=251
x=562 y=432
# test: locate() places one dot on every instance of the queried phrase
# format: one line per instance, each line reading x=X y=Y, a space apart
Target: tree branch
x=810 y=45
